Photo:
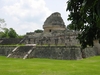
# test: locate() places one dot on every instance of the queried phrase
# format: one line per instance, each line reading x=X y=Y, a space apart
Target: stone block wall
x=21 y=51
x=55 y=52
x=88 y=52
x=62 y=52
x=5 y=50
x=8 y=41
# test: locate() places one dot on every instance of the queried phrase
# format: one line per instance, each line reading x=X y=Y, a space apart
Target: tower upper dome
x=54 y=19
x=54 y=22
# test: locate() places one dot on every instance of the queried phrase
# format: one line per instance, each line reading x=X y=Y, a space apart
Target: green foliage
x=11 y=66
x=70 y=27
x=2 y=27
x=12 y=33
x=1 y=33
x=9 y=33
x=38 y=31
x=5 y=33
x=21 y=36
x=2 y=24
x=85 y=17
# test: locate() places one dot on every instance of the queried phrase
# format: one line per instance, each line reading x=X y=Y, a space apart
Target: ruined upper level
x=54 y=22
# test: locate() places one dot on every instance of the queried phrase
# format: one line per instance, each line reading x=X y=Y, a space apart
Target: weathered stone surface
x=55 y=33
x=5 y=50
x=51 y=52
x=66 y=53
x=88 y=52
x=54 y=22
x=21 y=51
x=8 y=41
x=54 y=19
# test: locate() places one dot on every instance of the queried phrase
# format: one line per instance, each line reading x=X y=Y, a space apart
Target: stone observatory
x=54 y=33
x=54 y=23
x=54 y=42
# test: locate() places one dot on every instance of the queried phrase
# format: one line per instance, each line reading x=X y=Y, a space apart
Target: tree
x=12 y=33
x=85 y=17
x=21 y=36
x=8 y=33
x=38 y=31
x=2 y=28
x=5 y=33
x=70 y=27
x=1 y=33
x=2 y=24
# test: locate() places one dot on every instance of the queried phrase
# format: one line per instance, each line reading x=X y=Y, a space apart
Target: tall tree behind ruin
x=85 y=17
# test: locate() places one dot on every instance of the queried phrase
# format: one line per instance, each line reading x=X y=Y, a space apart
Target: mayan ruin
x=55 y=33
x=55 y=42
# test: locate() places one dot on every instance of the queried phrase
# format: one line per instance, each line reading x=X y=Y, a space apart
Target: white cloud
x=27 y=15
x=29 y=27
x=24 y=8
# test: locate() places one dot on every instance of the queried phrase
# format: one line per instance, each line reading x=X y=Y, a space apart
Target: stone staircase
x=22 y=40
x=12 y=51
x=28 y=53
x=21 y=52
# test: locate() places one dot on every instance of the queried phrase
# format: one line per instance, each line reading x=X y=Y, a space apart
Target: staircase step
x=28 y=53
x=12 y=51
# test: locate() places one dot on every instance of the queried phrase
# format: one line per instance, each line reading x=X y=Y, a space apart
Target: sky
x=29 y=15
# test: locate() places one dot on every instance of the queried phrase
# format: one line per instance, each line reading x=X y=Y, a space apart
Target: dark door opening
x=50 y=30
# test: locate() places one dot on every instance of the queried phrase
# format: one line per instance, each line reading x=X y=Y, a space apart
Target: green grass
x=36 y=66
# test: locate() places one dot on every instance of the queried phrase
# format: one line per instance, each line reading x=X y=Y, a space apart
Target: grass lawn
x=36 y=66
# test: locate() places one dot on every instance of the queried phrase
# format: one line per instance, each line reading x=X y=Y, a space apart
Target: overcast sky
x=29 y=15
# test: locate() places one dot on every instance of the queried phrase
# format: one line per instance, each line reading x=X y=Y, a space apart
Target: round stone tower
x=54 y=23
